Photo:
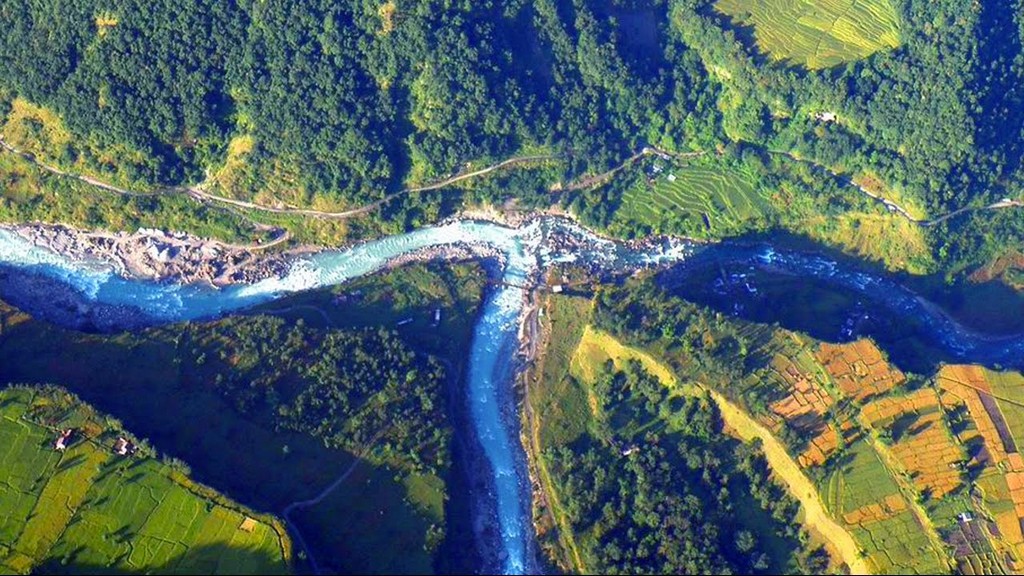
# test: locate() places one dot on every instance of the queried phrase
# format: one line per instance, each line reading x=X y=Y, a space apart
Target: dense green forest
x=356 y=95
x=658 y=487
x=353 y=96
x=334 y=104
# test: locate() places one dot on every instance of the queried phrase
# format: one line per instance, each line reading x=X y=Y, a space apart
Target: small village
x=66 y=437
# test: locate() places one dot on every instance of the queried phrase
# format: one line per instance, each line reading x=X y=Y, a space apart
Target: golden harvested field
x=922 y=444
x=931 y=457
x=889 y=506
x=967 y=385
x=817 y=33
x=859 y=369
x=890 y=408
x=804 y=408
x=597 y=347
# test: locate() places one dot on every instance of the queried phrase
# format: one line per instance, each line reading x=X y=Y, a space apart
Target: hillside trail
x=800 y=486
x=298 y=505
x=894 y=206
x=197 y=192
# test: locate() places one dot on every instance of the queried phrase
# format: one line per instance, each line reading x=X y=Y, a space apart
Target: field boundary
x=103 y=453
x=800 y=486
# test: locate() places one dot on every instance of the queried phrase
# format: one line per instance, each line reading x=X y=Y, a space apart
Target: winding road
x=893 y=206
x=201 y=195
x=197 y=192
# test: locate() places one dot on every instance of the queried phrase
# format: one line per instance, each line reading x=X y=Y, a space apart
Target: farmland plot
x=693 y=198
x=921 y=442
x=817 y=33
x=89 y=509
x=804 y=406
x=863 y=495
x=859 y=369
x=967 y=390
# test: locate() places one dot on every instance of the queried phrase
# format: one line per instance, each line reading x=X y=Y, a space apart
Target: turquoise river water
x=492 y=359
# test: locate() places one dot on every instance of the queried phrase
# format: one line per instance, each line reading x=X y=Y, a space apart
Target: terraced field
x=837 y=398
x=817 y=33
x=1008 y=389
x=693 y=199
x=923 y=471
x=921 y=442
x=859 y=369
x=88 y=509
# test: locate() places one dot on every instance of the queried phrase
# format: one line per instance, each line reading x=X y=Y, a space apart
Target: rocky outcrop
x=160 y=255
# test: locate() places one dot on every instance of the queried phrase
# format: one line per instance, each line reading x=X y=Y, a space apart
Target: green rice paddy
x=898 y=545
x=693 y=200
x=90 y=510
x=895 y=544
x=1008 y=388
x=861 y=481
x=817 y=33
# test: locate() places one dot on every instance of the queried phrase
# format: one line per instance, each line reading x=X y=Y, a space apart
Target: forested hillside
x=335 y=104
x=355 y=95
x=348 y=97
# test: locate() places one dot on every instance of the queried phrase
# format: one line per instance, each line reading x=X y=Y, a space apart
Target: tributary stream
x=112 y=302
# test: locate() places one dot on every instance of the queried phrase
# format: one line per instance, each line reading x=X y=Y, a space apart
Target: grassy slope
x=557 y=412
x=817 y=34
x=140 y=379
x=597 y=347
x=94 y=510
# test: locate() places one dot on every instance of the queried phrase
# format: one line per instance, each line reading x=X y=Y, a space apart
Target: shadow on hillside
x=141 y=379
x=990 y=307
x=726 y=279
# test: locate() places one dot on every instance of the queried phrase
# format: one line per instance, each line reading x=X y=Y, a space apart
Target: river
x=63 y=291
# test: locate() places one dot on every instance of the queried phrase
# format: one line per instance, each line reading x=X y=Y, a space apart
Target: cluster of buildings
x=123 y=446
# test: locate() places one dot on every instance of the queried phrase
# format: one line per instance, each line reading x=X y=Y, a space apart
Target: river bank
x=508 y=320
x=161 y=255
x=184 y=258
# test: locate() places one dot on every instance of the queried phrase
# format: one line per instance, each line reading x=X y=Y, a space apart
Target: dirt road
x=800 y=486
